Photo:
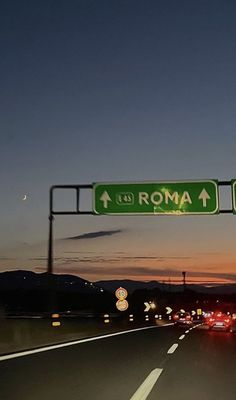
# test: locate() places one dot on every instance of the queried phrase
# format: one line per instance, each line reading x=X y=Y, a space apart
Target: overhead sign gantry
x=200 y=197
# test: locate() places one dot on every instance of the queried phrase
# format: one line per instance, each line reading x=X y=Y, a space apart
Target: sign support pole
x=51 y=291
x=50 y=237
x=50 y=245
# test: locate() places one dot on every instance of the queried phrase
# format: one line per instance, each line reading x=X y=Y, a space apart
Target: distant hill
x=28 y=292
x=223 y=289
x=25 y=291
x=131 y=286
x=28 y=281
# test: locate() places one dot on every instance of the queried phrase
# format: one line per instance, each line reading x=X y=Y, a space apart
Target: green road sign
x=177 y=198
x=233 y=184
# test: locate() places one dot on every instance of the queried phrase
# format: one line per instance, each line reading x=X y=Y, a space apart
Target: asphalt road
x=159 y=363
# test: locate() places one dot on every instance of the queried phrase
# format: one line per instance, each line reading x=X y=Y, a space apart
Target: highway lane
x=109 y=368
x=203 y=367
x=179 y=365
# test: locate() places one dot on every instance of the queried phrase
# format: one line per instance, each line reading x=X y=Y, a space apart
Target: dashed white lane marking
x=172 y=348
x=145 y=388
x=181 y=337
x=58 y=346
x=186 y=331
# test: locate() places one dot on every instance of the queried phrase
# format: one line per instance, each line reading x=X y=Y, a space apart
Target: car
x=219 y=321
x=183 y=319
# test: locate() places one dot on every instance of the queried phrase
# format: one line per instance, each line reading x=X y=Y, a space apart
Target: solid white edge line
x=67 y=344
x=181 y=337
x=145 y=388
x=172 y=348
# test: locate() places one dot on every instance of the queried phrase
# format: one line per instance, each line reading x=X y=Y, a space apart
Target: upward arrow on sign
x=105 y=198
x=204 y=196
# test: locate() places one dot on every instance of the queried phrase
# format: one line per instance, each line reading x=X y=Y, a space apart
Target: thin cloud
x=157 y=258
x=206 y=253
x=95 y=235
x=106 y=260
x=121 y=255
x=99 y=259
x=127 y=271
x=137 y=272
x=219 y=275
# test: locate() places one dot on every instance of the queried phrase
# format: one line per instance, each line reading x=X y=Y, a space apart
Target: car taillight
x=175 y=317
x=211 y=320
x=227 y=320
x=188 y=317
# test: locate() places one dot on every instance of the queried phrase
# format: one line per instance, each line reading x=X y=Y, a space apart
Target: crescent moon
x=24 y=197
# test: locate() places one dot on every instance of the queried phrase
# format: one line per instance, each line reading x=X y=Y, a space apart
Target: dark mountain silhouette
x=26 y=291
x=131 y=286
x=28 y=280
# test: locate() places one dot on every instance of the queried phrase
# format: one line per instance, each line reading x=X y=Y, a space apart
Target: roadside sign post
x=121 y=294
x=156 y=198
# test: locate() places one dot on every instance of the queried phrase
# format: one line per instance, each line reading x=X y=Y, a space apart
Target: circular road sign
x=122 y=305
x=121 y=293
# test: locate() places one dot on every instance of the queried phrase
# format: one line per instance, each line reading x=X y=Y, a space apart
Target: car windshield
x=118 y=200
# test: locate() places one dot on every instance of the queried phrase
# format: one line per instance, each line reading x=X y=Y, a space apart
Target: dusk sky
x=116 y=90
